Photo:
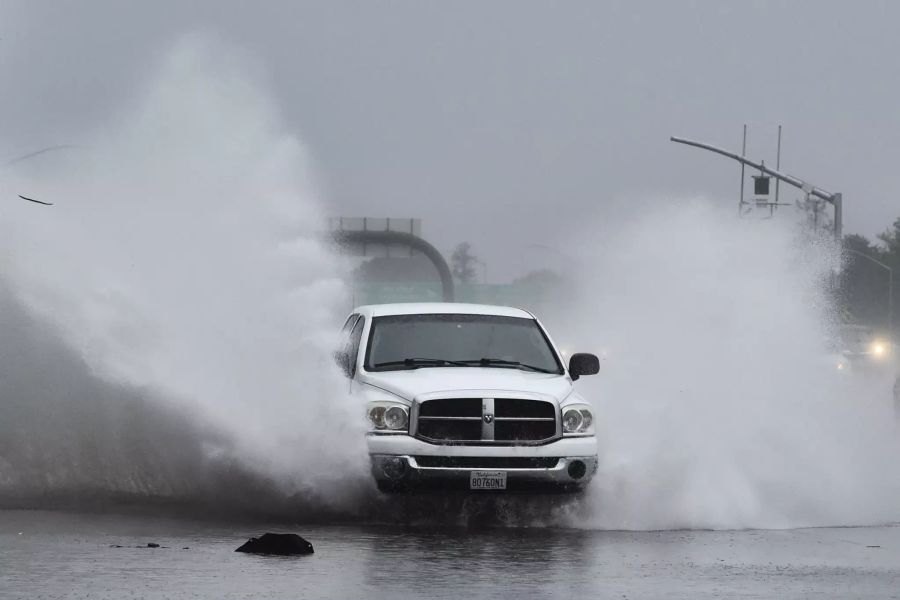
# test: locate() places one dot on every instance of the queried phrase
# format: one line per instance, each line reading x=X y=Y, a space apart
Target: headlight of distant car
x=388 y=417
x=577 y=419
x=880 y=348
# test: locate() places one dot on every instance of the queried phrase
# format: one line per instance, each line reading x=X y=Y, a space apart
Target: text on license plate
x=487 y=480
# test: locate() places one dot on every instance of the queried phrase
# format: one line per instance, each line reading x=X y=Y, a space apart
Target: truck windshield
x=399 y=342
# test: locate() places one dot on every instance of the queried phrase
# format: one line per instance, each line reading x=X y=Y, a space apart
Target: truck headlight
x=577 y=419
x=376 y=416
x=388 y=417
x=572 y=420
x=396 y=417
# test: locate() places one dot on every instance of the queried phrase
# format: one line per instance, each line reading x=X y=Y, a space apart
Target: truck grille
x=489 y=421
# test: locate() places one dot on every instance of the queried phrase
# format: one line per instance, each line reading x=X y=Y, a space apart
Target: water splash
x=181 y=263
x=168 y=328
x=719 y=407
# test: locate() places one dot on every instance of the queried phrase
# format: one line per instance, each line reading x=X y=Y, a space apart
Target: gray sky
x=506 y=123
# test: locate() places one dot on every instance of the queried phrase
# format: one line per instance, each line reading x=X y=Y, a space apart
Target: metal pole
x=788 y=179
x=837 y=200
x=834 y=198
x=890 y=318
x=743 y=153
x=778 y=164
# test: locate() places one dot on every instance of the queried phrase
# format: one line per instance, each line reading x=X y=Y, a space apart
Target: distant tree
x=891 y=239
x=891 y=257
x=863 y=285
x=462 y=263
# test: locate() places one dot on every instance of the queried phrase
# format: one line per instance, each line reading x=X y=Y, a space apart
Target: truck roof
x=430 y=308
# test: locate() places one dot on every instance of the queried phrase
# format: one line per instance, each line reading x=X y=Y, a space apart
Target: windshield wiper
x=500 y=362
x=414 y=363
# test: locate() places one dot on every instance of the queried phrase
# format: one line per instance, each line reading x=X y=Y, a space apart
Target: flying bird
x=35 y=201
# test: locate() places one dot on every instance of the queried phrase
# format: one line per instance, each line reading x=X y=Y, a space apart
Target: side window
x=345 y=332
x=353 y=343
x=344 y=345
x=348 y=324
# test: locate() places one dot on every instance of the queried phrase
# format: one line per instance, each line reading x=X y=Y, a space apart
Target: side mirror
x=343 y=361
x=583 y=363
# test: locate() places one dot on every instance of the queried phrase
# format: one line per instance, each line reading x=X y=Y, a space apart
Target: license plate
x=487 y=480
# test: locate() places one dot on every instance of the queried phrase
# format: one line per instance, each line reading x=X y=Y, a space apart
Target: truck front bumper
x=401 y=462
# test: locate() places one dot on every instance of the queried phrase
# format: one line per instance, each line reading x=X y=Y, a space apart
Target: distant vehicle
x=466 y=396
x=863 y=351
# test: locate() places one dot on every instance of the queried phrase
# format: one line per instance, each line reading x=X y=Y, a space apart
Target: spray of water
x=719 y=406
x=167 y=331
x=181 y=265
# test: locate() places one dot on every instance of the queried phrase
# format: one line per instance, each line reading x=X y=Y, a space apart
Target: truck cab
x=467 y=396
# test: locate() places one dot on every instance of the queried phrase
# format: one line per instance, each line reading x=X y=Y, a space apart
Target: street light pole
x=835 y=199
x=890 y=271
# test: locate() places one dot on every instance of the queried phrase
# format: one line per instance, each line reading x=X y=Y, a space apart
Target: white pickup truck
x=465 y=396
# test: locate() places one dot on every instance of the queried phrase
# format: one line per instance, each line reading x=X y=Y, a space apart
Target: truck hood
x=409 y=384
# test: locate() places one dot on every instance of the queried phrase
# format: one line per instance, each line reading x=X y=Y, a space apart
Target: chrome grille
x=518 y=419
x=450 y=419
x=488 y=421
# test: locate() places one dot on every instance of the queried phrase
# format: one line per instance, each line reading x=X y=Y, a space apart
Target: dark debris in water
x=279 y=544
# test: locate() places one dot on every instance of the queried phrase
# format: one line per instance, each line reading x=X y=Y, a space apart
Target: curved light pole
x=835 y=199
x=890 y=284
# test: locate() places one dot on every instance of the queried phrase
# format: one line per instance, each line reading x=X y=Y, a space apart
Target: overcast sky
x=505 y=123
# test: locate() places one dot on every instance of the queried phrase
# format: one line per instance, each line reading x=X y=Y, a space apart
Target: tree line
x=863 y=287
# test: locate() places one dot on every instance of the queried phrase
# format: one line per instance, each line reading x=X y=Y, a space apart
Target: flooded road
x=67 y=555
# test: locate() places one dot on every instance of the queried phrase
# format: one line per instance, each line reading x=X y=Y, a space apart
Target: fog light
x=577 y=469
x=394 y=468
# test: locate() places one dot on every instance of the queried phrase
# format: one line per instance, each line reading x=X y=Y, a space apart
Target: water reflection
x=444 y=562
x=48 y=554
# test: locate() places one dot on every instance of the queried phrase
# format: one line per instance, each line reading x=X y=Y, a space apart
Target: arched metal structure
x=406 y=239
